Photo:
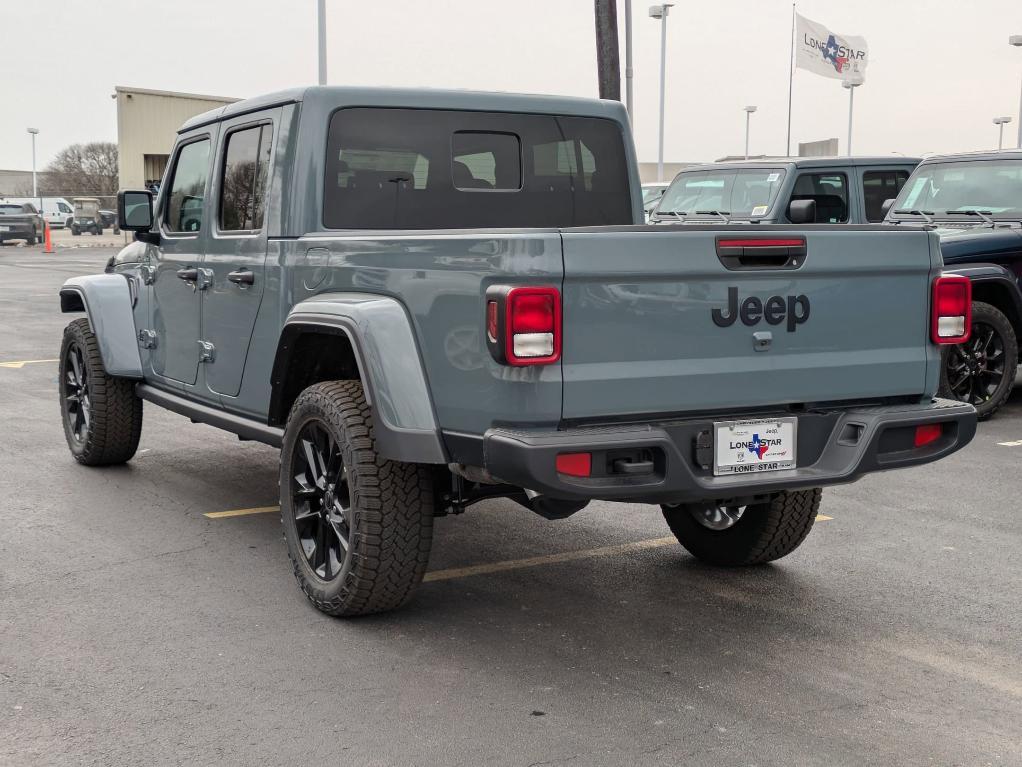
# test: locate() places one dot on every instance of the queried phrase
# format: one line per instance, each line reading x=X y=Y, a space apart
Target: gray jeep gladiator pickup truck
x=429 y=298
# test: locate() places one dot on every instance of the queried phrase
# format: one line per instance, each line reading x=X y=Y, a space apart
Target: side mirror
x=135 y=210
x=886 y=207
x=802 y=211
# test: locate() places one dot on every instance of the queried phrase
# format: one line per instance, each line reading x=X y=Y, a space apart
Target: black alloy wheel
x=77 y=404
x=982 y=370
x=976 y=368
x=321 y=501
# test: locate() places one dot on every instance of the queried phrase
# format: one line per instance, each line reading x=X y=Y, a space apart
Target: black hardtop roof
x=805 y=162
x=337 y=96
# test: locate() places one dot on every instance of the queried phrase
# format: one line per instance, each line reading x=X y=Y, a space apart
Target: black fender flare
x=389 y=364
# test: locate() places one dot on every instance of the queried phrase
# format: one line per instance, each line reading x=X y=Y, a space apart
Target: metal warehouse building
x=147 y=123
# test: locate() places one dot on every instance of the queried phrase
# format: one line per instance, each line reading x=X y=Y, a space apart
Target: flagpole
x=791 y=80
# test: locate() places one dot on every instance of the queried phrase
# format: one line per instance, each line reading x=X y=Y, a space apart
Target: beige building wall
x=147 y=123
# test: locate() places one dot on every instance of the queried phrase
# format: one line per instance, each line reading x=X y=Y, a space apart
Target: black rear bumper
x=833 y=447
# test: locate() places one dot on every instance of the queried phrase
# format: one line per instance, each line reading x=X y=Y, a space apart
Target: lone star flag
x=827 y=53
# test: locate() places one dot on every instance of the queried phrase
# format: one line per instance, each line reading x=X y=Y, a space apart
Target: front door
x=177 y=276
x=236 y=248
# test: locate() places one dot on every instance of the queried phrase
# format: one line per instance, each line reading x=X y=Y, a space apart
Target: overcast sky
x=939 y=70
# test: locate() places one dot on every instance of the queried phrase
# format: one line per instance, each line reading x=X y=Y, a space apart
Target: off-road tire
x=75 y=231
x=391 y=505
x=115 y=411
x=765 y=531
x=31 y=241
x=990 y=315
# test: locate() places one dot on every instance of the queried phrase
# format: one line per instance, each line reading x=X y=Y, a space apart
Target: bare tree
x=608 y=58
x=82 y=169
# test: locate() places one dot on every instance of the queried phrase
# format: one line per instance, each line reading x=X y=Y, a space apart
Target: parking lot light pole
x=1016 y=40
x=322 y=42
x=660 y=12
x=851 y=84
x=748 y=115
x=1000 y=122
x=35 y=186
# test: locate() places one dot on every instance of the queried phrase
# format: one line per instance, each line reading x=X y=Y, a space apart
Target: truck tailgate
x=849 y=320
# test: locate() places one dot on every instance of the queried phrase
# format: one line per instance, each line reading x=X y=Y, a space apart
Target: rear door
x=668 y=321
x=236 y=250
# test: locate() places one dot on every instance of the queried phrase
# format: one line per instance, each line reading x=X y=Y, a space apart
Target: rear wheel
x=31 y=240
x=982 y=370
x=358 y=527
x=101 y=414
x=731 y=535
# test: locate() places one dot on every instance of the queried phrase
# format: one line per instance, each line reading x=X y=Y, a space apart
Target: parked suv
x=430 y=298
x=20 y=221
x=974 y=203
x=804 y=190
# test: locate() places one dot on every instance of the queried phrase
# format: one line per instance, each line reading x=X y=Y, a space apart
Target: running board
x=245 y=428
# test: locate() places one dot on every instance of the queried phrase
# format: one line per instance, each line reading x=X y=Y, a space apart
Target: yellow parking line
x=242 y=512
x=549 y=559
x=21 y=363
x=823 y=518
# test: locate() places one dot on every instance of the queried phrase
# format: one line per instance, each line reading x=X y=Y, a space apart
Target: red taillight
x=523 y=324
x=575 y=464
x=951 y=322
x=927 y=433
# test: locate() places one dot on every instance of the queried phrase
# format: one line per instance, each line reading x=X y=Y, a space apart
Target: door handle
x=241 y=277
x=188 y=275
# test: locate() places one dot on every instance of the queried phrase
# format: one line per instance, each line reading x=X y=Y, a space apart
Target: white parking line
x=1013 y=443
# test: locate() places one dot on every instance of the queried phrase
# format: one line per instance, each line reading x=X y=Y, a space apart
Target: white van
x=56 y=210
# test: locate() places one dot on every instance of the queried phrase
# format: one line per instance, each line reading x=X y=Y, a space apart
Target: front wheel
x=982 y=370
x=101 y=414
x=75 y=231
x=733 y=536
x=358 y=527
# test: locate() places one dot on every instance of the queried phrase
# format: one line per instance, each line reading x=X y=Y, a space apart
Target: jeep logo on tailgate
x=775 y=310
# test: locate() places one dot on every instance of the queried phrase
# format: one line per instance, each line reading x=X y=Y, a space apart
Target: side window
x=486 y=161
x=243 y=183
x=880 y=185
x=63 y=208
x=830 y=190
x=188 y=188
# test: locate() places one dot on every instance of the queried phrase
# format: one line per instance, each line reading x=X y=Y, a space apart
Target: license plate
x=5 y=229
x=747 y=447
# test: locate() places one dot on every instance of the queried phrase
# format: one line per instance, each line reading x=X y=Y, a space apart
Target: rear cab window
x=429 y=169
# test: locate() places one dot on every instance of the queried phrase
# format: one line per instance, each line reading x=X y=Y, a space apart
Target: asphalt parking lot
x=136 y=629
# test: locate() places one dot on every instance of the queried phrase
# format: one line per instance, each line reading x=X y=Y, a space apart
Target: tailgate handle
x=749 y=253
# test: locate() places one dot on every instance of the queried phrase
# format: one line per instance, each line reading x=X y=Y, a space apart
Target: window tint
x=880 y=185
x=243 y=185
x=486 y=161
x=830 y=190
x=418 y=169
x=188 y=188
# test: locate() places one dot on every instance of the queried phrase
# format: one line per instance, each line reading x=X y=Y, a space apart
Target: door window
x=188 y=188
x=243 y=183
x=880 y=185
x=830 y=190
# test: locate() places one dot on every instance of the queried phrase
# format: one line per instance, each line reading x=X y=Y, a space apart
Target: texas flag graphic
x=757 y=447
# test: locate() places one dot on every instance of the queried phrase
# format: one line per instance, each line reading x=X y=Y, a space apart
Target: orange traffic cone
x=49 y=242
